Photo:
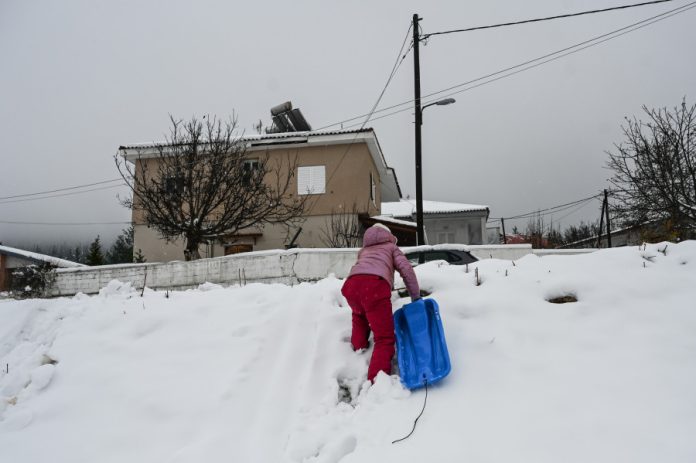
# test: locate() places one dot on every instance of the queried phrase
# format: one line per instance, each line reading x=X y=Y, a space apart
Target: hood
x=377 y=235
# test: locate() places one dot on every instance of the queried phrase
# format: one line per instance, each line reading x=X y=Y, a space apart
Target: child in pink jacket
x=368 y=291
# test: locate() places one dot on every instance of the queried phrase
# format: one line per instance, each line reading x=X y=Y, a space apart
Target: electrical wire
x=547 y=18
x=550 y=210
x=63 y=194
x=544 y=214
x=563 y=52
x=595 y=42
x=395 y=68
x=61 y=189
x=581 y=206
x=9 y=222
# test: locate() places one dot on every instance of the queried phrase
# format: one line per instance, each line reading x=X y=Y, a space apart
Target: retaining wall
x=288 y=267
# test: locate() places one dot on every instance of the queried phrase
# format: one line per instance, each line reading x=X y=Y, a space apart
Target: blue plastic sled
x=420 y=344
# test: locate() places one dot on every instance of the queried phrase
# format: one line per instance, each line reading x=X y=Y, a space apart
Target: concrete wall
x=288 y=267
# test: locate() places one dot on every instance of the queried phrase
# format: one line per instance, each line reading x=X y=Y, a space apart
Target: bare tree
x=202 y=186
x=655 y=170
x=536 y=230
x=580 y=232
x=342 y=230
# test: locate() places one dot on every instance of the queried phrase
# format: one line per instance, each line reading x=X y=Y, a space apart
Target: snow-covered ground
x=264 y=373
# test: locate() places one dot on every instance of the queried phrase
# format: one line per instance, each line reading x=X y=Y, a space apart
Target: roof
x=407 y=207
x=392 y=220
x=390 y=189
x=38 y=258
x=261 y=137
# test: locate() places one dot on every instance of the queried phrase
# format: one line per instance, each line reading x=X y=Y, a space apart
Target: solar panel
x=282 y=125
x=299 y=121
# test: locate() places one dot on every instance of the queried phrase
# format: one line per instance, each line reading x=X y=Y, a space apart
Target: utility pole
x=502 y=222
x=601 y=224
x=419 y=122
x=606 y=211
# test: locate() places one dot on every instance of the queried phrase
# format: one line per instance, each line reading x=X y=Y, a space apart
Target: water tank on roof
x=286 y=119
x=281 y=108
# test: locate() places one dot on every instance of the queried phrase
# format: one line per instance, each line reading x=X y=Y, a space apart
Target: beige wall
x=348 y=169
x=156 y=249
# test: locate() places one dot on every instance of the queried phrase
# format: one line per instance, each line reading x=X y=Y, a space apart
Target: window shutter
x=311 y=180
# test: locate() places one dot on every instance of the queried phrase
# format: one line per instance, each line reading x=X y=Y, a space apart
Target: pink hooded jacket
x=380 y=256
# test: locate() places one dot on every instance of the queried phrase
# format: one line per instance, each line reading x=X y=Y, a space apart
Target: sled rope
x=425 y=381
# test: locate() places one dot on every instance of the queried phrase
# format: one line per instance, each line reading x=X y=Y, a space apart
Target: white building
x=444 y=222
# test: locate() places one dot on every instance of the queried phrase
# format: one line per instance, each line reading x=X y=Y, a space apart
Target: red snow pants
x=369 y=297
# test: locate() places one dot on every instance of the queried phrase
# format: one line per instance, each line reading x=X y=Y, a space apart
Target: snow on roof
x=38 y=258
x=263 y=136
x=407 y=207
x=389 y=183
x=390 y=219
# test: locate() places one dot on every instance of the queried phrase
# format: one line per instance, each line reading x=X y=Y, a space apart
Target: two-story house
x=344 y=172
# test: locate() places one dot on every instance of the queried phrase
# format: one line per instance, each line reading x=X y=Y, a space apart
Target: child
x=368 y=291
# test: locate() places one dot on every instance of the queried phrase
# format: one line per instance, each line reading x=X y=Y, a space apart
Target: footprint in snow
x=334 y=451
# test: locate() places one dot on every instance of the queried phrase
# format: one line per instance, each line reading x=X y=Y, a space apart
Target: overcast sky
x=80 y=78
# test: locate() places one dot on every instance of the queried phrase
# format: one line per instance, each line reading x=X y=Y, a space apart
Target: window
x=436 y=255
x=311 y=180
x=238 y=248
x=446 y=237
x=251 y=165
x=249 y=168
x=174 y=185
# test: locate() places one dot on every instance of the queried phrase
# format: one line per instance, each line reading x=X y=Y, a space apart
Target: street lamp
x=419 y=176
x=444 y=102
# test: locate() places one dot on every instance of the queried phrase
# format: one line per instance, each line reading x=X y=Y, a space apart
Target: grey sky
x=80 y=78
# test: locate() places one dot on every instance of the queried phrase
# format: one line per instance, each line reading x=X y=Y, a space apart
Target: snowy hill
x=265 y=373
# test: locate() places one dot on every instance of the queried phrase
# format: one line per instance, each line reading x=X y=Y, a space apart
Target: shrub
x=32 y=281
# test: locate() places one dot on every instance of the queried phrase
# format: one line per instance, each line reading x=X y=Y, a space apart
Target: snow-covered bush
x=32 y=281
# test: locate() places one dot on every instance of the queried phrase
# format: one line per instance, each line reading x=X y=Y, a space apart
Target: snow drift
x=266 y=373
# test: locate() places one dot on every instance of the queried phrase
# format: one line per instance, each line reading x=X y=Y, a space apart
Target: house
x=13 y=258
x=633 y=235
x=444 y=222
x=343 y=170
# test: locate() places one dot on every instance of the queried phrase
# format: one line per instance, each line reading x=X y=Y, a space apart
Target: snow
x=255 y=372
x=265 y=136
x=36 y=257
x=390 y=219
x=407 y=207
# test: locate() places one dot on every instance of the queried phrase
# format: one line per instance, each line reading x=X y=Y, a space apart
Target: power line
x=547 y=18
x=550 y=210
x=63 y=223
x=64 y=194
x=547 y=212
x=572 y=49
x=581 y=206
x=552 y=57
x=61 y=189
x=395 y=68
x=397 y=65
